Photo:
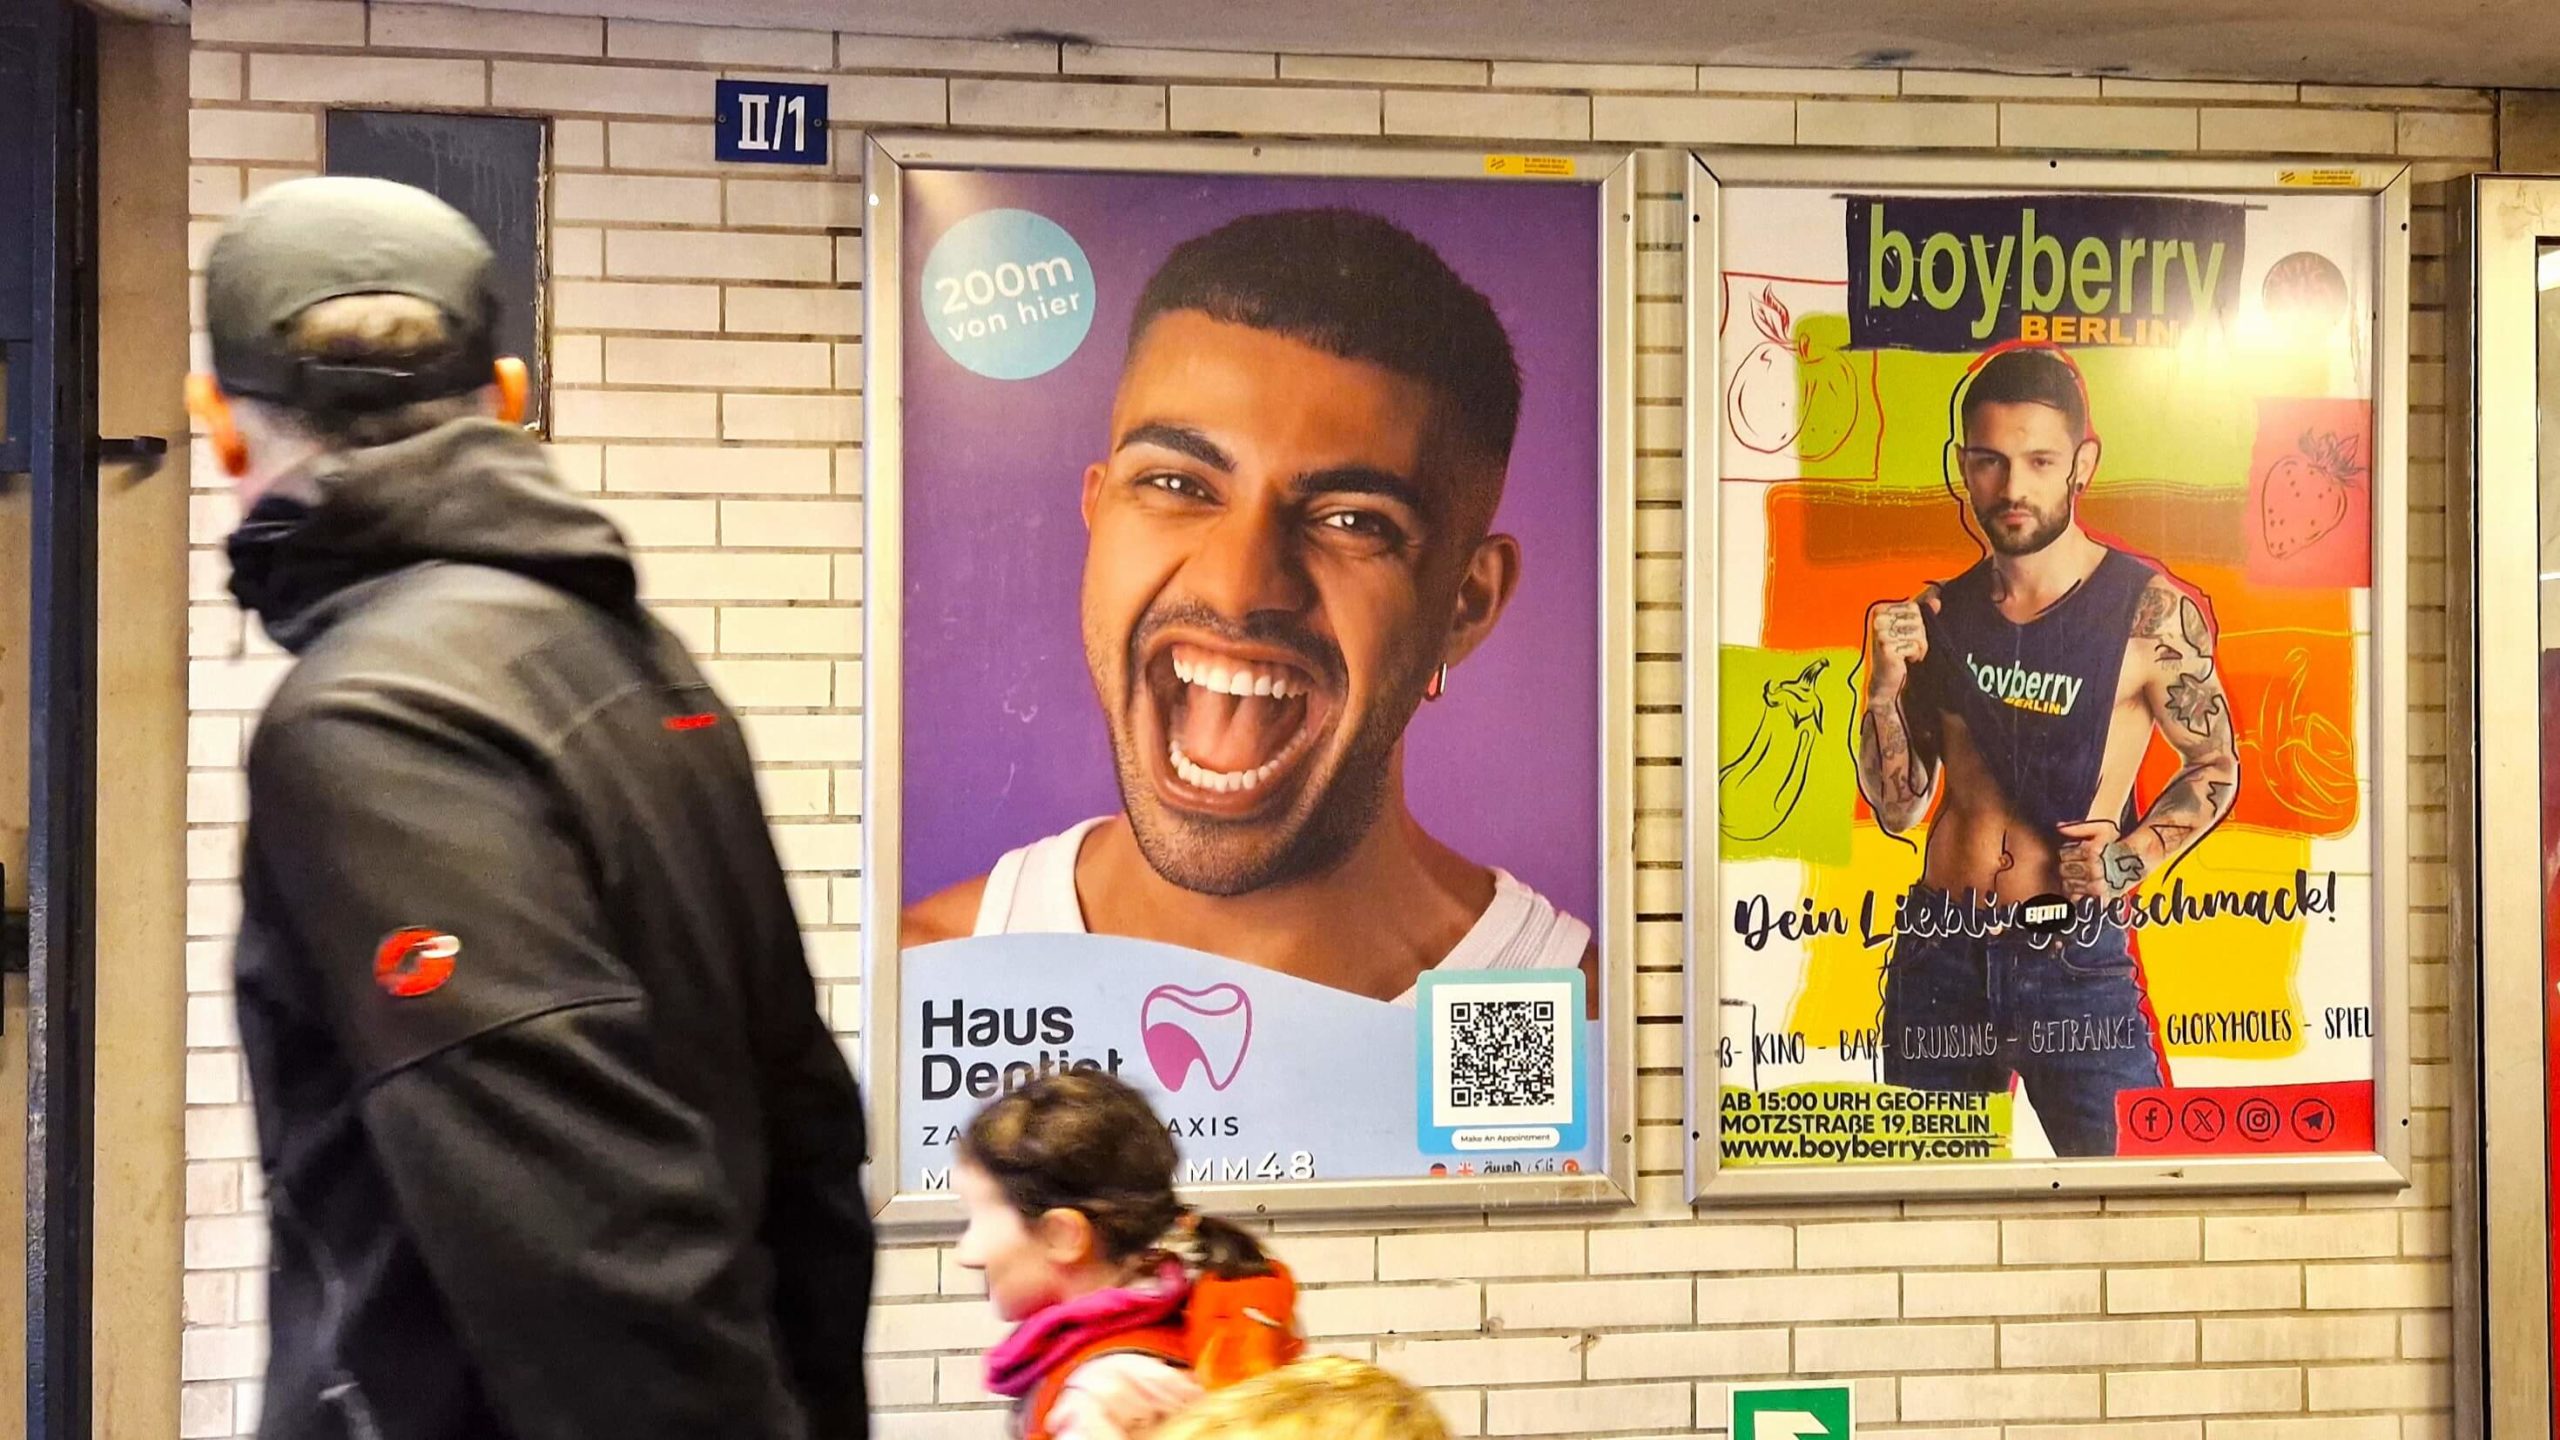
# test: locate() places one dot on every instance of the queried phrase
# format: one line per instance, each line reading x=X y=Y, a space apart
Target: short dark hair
x=1354 y=285
x=2029 y=375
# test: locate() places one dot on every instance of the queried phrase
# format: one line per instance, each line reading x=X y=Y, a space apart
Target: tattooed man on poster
x=2018 y=699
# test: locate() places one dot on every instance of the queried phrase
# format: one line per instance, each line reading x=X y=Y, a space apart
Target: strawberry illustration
x=2305 y=494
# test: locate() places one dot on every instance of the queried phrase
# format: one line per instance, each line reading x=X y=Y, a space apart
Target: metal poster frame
x=2509 y=218
x=52 y=47
x=2388 y=1165
x=1610 y=175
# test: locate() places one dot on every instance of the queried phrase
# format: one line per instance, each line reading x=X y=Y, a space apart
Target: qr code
x=1502 y=1054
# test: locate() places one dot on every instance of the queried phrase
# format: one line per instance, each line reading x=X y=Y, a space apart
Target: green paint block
x=2162 y=415
x=1786 y=776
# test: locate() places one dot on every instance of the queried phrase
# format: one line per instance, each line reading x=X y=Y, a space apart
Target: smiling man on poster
x=1289 y=550
x=2019 y=698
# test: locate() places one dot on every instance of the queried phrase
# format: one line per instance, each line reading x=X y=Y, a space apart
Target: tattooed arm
x=1897 y=767
x=2183 y=692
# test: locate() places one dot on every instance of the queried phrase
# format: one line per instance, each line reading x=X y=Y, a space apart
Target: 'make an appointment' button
x=1532 y=1138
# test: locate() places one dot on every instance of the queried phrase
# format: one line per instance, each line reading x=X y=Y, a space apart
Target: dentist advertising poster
x=2055 y=684
x=1248 y=535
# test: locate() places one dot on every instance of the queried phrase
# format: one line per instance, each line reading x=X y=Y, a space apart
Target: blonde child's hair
x=1323 y=1397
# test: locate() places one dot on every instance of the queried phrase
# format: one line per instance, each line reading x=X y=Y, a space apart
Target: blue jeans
x=1964 y=1013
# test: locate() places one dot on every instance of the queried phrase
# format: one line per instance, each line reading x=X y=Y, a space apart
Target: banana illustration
x=2305 y=759
x=1758 y=789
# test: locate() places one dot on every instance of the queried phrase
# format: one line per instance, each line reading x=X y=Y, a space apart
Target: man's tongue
x=1232 y=734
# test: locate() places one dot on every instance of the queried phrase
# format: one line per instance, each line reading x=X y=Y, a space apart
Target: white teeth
x=1242 y=680
x=1217 y=782
x=1225 y=677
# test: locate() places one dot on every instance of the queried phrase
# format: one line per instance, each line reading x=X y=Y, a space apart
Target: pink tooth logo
x=1208 y=1028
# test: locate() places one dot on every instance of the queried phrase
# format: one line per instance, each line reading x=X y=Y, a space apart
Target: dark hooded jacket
x=557 y=1146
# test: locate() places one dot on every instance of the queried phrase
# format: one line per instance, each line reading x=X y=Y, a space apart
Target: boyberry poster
x=2052 y=702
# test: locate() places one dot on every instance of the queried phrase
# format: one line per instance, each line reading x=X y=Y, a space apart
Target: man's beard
x=1327 y=818
x=2049 y=526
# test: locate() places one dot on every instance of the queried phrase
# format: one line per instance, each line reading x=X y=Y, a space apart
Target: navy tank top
x=2036 y=697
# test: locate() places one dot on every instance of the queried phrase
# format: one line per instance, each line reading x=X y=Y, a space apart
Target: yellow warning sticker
x=1542 y=166
x=2319 y=179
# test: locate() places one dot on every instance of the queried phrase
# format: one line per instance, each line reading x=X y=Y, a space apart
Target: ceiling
x=2456 y=42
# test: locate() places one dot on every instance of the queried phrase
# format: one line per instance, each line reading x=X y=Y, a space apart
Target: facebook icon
x=771 y=122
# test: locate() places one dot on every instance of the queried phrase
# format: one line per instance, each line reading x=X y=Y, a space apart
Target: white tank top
x=1032 y=891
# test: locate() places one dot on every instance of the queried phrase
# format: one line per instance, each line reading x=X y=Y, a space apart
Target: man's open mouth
x=1235 y=722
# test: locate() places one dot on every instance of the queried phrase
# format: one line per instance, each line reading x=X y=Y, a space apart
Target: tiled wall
x=707 y=359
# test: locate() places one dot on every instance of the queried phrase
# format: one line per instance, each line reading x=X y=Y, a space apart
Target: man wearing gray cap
x=557 y=1146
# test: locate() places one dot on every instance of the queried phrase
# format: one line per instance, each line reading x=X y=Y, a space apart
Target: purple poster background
x=1003 y=740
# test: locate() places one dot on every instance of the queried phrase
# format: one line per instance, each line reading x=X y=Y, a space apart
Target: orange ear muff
x=212 y=410
x=515 y=390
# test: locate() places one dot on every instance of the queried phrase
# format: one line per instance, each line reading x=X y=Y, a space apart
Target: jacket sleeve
x=569 y=1205
x=817 y=1223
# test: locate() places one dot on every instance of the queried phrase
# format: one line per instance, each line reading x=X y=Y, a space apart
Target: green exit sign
x=1791 y=1412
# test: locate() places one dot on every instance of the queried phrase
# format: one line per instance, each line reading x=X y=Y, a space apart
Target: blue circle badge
x=1008 y=293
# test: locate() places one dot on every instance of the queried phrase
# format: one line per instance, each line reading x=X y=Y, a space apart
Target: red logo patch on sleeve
x=414 y=961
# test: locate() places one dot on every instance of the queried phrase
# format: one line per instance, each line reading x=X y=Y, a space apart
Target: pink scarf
x=1038 y=1345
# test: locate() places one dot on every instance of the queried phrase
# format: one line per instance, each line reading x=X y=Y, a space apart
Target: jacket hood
x=471 y=492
